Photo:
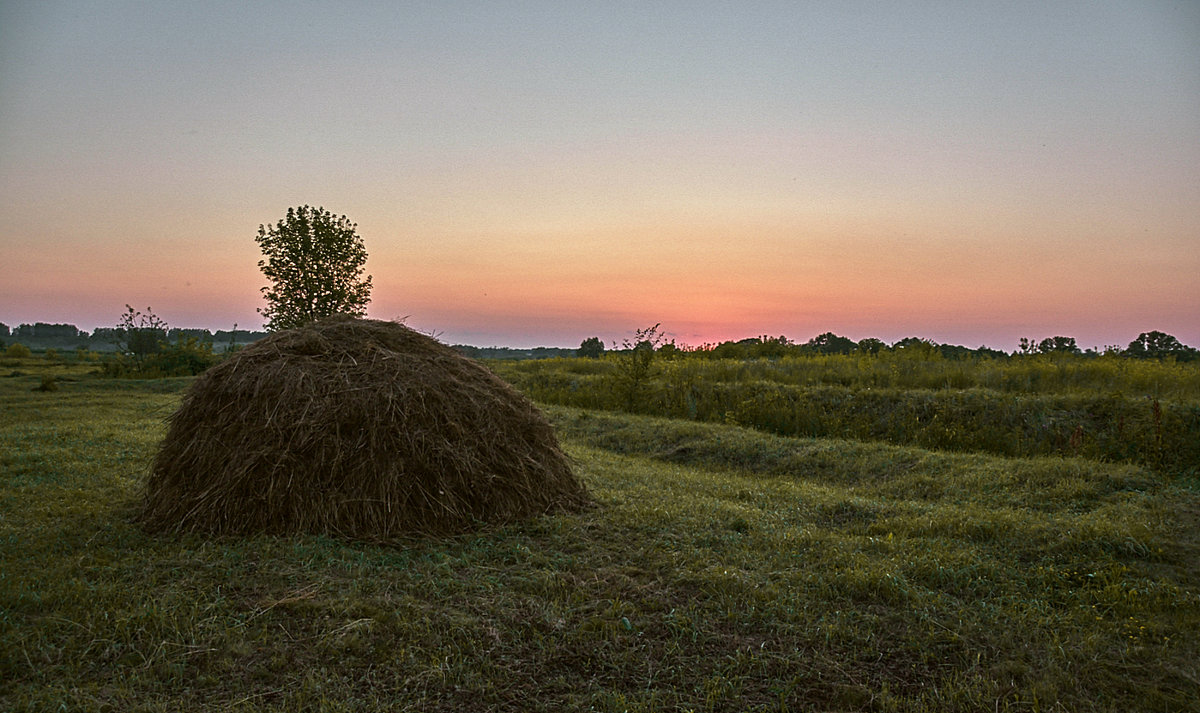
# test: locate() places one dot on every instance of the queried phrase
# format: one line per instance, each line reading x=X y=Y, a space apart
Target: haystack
x=358 y=428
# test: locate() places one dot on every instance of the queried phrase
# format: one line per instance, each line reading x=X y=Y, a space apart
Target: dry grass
x=357 y=428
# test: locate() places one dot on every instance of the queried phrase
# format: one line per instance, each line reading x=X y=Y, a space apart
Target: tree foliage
x=591 y=348
x=314 y=261
x=1058 y=345
x=1159 y=345
x=830 y=343
x=871 y=345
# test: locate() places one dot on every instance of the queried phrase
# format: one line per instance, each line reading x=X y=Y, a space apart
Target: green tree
x=1159 y=345
x=314 y=261
x=729 y=350
x=871 y=345
x=770 y=347
x=916 y=348
x=830 y=343
x=1058 y=345
x=591 y=348
x=670 y=350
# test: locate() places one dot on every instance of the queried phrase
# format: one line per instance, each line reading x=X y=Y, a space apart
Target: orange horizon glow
x=703 y=283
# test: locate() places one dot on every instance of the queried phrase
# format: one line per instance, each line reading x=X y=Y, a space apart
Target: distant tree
x=314 y=261
x=3 y=329
x=139 y=335
x=955 y=351
x=765 y=347
x=201 y=335
x=1158 y=345
x=670 y=351
x=42 y=331
x=1058 y=345
x=830 y=343
x=986 y=351
x=591 y=348
x=915 y=343
x=729 y=350
x=871 y=345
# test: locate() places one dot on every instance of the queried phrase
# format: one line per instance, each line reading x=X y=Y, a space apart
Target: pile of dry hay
x=358 y=428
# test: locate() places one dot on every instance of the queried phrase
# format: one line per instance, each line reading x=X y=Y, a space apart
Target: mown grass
x=724 y=570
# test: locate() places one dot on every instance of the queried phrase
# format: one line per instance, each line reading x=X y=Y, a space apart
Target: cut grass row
x=724 y=570
x=1109 y=427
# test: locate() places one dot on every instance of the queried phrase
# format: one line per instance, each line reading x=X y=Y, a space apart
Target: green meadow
x=799 y=535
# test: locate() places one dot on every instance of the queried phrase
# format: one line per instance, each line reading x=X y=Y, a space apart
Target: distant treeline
x=1152 y=345
x=41 y=335
x=1148 y=345
x=507 y=353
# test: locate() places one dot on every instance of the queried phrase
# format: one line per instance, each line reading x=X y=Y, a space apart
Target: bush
x=49 y=383
x=16 y=350
x=186 y=357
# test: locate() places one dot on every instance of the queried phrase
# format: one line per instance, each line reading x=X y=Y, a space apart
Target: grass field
x=1109 y=408
x=725 y=569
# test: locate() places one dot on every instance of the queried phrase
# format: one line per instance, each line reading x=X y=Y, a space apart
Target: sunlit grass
x=725 y=570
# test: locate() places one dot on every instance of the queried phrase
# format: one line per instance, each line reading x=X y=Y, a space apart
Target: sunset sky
x=535 y=173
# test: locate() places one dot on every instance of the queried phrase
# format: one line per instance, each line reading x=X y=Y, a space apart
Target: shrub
x=186 y=357
x=16 y=350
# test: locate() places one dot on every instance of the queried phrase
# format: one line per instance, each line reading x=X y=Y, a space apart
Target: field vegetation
x=851 y=532
x=1109 y=408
